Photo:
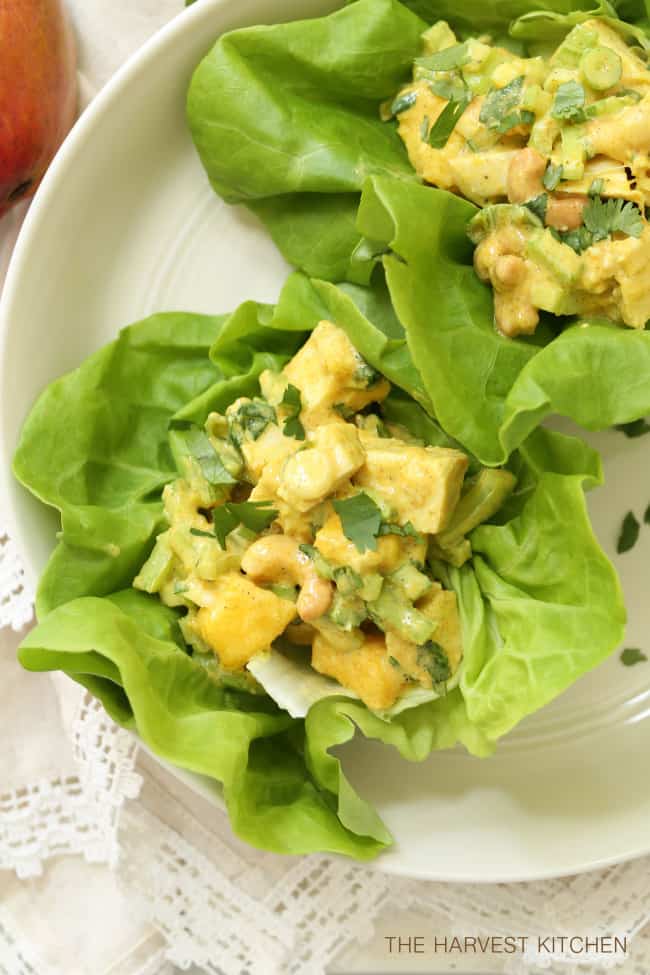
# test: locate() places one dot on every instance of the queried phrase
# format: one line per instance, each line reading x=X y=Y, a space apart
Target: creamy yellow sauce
x=493 y=158
x=372 y=617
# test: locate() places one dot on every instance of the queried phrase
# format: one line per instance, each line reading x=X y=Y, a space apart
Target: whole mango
x=38 y=92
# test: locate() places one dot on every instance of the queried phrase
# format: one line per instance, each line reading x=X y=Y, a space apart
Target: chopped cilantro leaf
x=432 y=658
x=360 y=520
x=224 y=521
x=552 y=176
x=569 y=102
x=199 y=446
x=445 y=60
x=605 y=217
x=254 y=515
x=500 y=103
x=538 y=206
x=402 y=102
x=646 y=516
x=200 y=533
x=452 y=89
x=446 y=122
x=513 y=119
x=394 y=662
x=292 y=425
x=631 y=656
x=251 y=419
x=629 y=534
x=637 y=428
x=578 y=240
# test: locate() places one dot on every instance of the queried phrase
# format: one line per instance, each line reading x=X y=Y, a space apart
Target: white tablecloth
x=108 y=865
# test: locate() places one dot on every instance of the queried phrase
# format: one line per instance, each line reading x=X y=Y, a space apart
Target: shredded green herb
x=446 y=122
x=199 y=446
x=636 y=428
x=538 y=206
x=254 y=515
x=629 y=533
x=402 y=102
x=597 y=187
x=499 y=103
x=646 y=515
x=360 y=520
x=250 y=420
x=452 y=89
x=432 y=658
x=605 y=217
x=292 y=426
x=552 y=176
x=513 y=119
x=631 y=656
x=578 y=240
x=445 y=60
x=569 y=102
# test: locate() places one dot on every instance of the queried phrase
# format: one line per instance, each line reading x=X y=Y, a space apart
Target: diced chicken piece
x=483 y=176
x=309 y=476
x=270 y=447
x=329 y=372
x=421 y=484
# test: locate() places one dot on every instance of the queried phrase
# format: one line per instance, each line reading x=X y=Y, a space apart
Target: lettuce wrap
x=286 y=119
x=539 y=602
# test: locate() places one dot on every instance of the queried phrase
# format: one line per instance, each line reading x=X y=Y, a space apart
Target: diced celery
x=574 y=45
x=437 y=37
x=394 y=612
x=158 y=567
x=574 y=152
x=562 y=263
x=411 y=581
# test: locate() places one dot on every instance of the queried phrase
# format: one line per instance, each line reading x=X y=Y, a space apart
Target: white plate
x=125 y=224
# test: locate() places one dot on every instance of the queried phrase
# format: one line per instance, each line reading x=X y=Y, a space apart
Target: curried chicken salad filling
x=304 y=529
x=556 y=150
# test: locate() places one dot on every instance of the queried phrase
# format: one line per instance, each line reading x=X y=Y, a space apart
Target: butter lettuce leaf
x=284 y=788
x=487 y=391
x=285 y=118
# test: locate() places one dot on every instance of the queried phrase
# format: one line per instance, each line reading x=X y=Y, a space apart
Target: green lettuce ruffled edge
x=105 y=436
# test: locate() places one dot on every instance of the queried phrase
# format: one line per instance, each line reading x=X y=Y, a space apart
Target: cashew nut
x=495 y=261
x=509 y=270
x=277 y=558
x=525 y=175
x=565 y=212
